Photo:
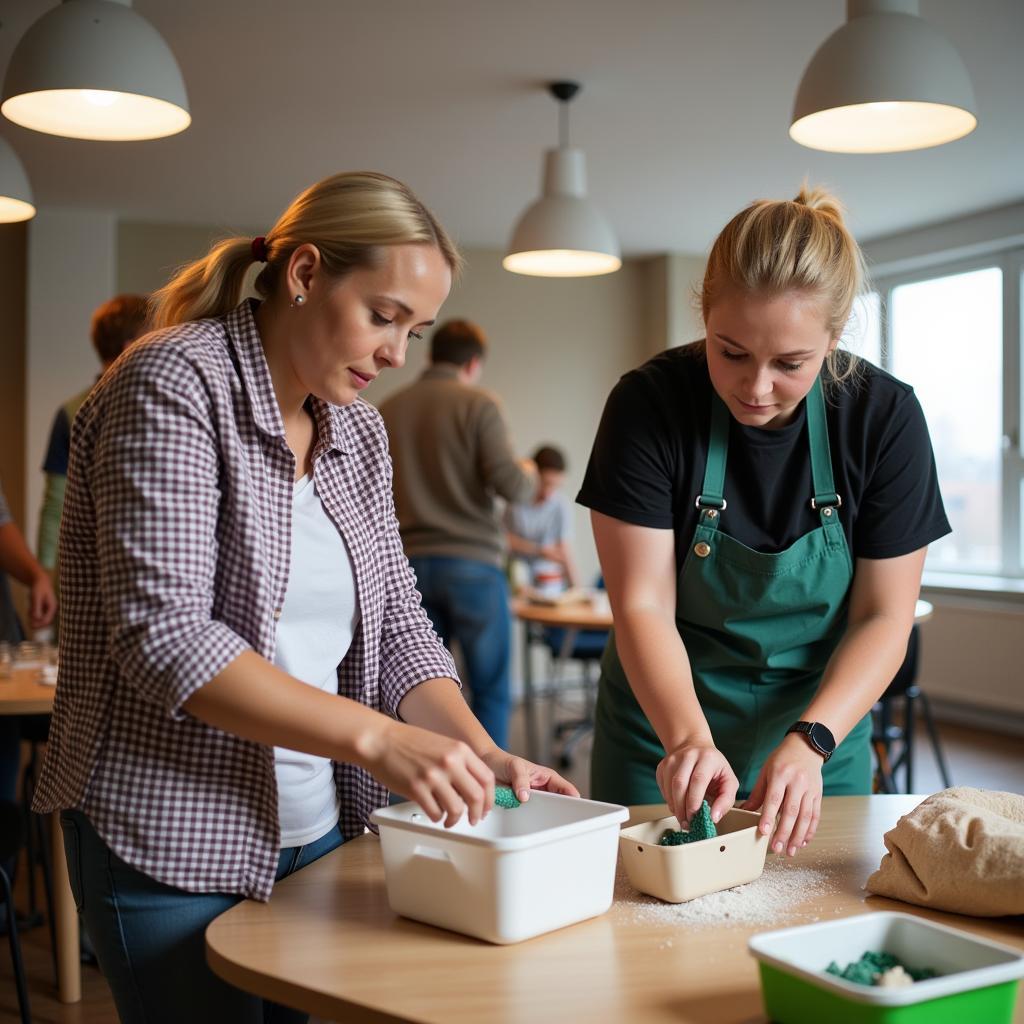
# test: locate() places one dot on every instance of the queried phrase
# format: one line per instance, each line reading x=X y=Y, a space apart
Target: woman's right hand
x=693 y=772
x=441 y=774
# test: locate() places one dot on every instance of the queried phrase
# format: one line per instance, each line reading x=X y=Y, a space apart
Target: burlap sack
x=960 y=850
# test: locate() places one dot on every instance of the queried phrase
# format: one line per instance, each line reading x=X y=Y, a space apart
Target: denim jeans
x=150 y=938
x=467 y=602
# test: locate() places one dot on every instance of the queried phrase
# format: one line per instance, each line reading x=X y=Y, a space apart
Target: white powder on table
x=770 y=899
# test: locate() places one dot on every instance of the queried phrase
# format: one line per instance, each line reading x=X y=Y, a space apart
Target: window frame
x=1010 y=261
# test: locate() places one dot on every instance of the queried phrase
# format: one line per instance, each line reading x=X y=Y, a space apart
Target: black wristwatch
x=818 y=736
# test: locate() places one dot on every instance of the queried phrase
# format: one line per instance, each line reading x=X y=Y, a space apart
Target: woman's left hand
x=523 y=775
x=790 y=783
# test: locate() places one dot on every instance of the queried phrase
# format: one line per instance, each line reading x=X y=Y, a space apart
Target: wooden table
x=570 y=617
x=23 y=694
x=328 y=943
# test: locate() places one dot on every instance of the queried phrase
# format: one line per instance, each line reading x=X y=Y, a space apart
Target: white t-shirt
x=314 y=633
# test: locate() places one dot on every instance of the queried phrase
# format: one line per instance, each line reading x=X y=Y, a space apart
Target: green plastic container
x=977 y=982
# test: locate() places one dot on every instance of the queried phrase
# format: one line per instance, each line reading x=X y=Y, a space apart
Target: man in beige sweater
x=453 y=458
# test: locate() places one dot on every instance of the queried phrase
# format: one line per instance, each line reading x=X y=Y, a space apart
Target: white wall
x=70 y=272
x=685 y=274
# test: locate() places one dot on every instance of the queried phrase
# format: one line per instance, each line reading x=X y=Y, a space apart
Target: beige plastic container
x=516 y=874
x=680 y=873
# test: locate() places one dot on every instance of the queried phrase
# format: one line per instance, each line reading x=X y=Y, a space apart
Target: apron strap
x=711 y=497
x=825 y=495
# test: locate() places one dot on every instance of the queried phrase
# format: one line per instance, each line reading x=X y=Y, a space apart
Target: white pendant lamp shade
x=885 y=82
x=16 y=201
x=563 y=234
x=95 y=69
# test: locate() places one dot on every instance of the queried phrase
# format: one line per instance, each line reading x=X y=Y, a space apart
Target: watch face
x=822 y=738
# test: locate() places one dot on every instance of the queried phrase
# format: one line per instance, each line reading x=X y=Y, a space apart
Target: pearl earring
x=299 y=300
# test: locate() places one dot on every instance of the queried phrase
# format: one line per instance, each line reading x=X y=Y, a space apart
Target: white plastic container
x=977 y=981
x=518 y=873
x=677 y=874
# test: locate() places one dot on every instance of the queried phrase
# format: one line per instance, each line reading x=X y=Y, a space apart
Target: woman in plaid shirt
x=245 y=666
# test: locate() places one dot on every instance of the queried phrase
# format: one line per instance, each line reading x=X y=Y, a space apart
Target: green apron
x=759 y=630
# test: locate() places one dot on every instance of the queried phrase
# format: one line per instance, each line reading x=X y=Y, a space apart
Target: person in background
x=453 y=458
x=115 y=325
x=540 y=531
x=762 y=504
x=245 y=667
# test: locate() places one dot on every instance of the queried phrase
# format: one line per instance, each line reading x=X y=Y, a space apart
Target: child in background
x=539 y=532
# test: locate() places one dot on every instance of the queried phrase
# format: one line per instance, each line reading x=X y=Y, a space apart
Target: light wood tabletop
x=21 y=693
x=577 y=615
x=328 y=943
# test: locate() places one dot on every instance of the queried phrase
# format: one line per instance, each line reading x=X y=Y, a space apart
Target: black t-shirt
x=647 y=464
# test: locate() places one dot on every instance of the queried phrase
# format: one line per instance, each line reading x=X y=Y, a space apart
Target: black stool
x=888 y=738
x=12 y=838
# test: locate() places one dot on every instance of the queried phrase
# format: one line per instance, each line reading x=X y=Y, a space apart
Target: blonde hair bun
x=819 y=199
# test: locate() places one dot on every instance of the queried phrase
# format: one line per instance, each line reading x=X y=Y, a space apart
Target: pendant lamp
x=562 y=234
x=887 y=81
x=95 y=69
x=15 y=192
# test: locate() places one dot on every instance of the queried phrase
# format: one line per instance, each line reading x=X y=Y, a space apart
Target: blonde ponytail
x=348 y=217
x=802 y=245
x=208 y=287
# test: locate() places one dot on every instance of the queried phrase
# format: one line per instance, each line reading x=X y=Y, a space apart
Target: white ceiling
x=683 y=114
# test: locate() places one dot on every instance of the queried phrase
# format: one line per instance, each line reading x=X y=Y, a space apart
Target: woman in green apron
x=761 y=503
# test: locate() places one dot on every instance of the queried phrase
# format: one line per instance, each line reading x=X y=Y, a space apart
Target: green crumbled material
x=701 y=827
x=866 y=970
x=504 y=797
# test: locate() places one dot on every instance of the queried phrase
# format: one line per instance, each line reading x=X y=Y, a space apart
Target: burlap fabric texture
x=960 y=850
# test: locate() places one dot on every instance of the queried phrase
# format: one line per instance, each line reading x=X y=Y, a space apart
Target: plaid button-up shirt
x=174 y=553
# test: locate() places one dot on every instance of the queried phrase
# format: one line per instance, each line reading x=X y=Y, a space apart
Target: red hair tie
x=259 y=249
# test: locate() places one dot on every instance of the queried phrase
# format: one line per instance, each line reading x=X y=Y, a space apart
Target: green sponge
x=701 y=827
x=866 y=970
x=504 y=797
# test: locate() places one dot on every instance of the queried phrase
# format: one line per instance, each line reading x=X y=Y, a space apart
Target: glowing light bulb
x=99 y=97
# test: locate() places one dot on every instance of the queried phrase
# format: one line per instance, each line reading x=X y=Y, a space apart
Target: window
x=947 y=332
x=863 y=335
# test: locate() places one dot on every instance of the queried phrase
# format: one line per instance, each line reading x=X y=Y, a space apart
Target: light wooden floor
x=976 y=758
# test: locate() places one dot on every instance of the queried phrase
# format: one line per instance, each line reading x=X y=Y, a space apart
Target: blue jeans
x=467 y=602
x=150 y=938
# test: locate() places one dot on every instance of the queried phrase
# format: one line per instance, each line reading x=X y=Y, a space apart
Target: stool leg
x=933 y=734
x=12 y=936
x=31 y=854
x=909 y=728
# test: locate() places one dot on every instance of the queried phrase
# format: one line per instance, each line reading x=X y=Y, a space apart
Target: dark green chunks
x=865 y=971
